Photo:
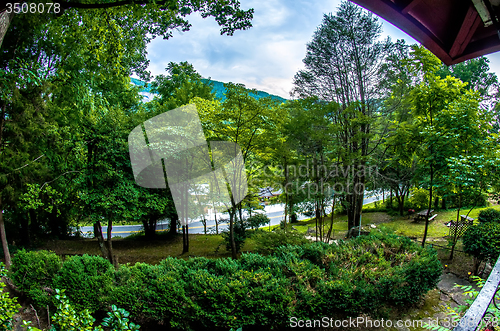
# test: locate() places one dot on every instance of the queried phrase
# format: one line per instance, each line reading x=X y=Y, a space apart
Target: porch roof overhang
x=454 y=30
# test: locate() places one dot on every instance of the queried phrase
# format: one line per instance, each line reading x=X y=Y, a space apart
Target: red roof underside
x=451 y=29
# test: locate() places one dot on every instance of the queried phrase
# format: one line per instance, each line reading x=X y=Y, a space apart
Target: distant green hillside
x=139 y=82
x=217 y=88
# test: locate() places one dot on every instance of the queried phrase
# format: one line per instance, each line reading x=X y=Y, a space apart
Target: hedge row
x=363 y=275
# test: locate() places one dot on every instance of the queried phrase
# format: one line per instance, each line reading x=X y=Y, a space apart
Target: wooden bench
x=433 y=217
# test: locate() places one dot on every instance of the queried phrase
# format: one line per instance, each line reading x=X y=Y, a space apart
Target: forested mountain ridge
x=217 y=87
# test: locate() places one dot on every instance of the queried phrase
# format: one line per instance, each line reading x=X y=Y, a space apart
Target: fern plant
x=455 y=314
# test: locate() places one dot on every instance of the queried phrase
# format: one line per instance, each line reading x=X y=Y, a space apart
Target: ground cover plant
x=366 y=275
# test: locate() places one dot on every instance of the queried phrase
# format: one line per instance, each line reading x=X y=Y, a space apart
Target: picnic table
x=420 y=216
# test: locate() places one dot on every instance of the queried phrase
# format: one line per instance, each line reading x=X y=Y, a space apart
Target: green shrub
x=87 y=280
x=489 y=215
x=257 y=220
x=155 y=293
x=33 y=273
x=468 y=198
x=267 y=242
x=365 y=275
x=419 y=198
x=483 y=241
x=240 y=235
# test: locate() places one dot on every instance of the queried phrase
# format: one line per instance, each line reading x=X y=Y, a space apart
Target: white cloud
x=270 y=13
x=266 y=56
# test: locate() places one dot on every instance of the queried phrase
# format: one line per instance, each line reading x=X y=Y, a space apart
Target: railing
x=477 y=310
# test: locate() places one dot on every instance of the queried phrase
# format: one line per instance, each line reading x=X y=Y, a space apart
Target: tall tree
x=448 y=125
x=177 y=88
x=243 y=120
x=180 y=85
x=85 y=53
x=342 y=64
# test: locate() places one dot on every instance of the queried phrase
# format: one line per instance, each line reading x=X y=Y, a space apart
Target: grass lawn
x=149 y=251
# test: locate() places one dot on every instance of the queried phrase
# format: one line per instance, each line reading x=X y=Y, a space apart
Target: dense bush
x=257 y=220
x=33 y=273
x=489 y=215
x=87 y=280
x=469 y=198
x=419 y=198
x=268 y=242
x=363 y=275
x=366 y=273
x=483 y=241
x=154 y=293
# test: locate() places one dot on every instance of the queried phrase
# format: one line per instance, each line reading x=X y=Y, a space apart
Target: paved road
x=274 y=212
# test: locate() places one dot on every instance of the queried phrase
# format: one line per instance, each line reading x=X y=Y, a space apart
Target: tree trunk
x=318 y=229
x=329 y=234
x=234 y=253
x=291 y=204
x=100 y=239
x=173 y=224
x=400 y=197
x=150 y=227
x=216 y=224
x=350 y=202
x=109 y=244
x=185 y=239
x=429 y=209
x=184 y=220
x=3 y=237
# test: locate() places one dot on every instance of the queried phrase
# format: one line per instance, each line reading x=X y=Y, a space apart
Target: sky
x=265 y=57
